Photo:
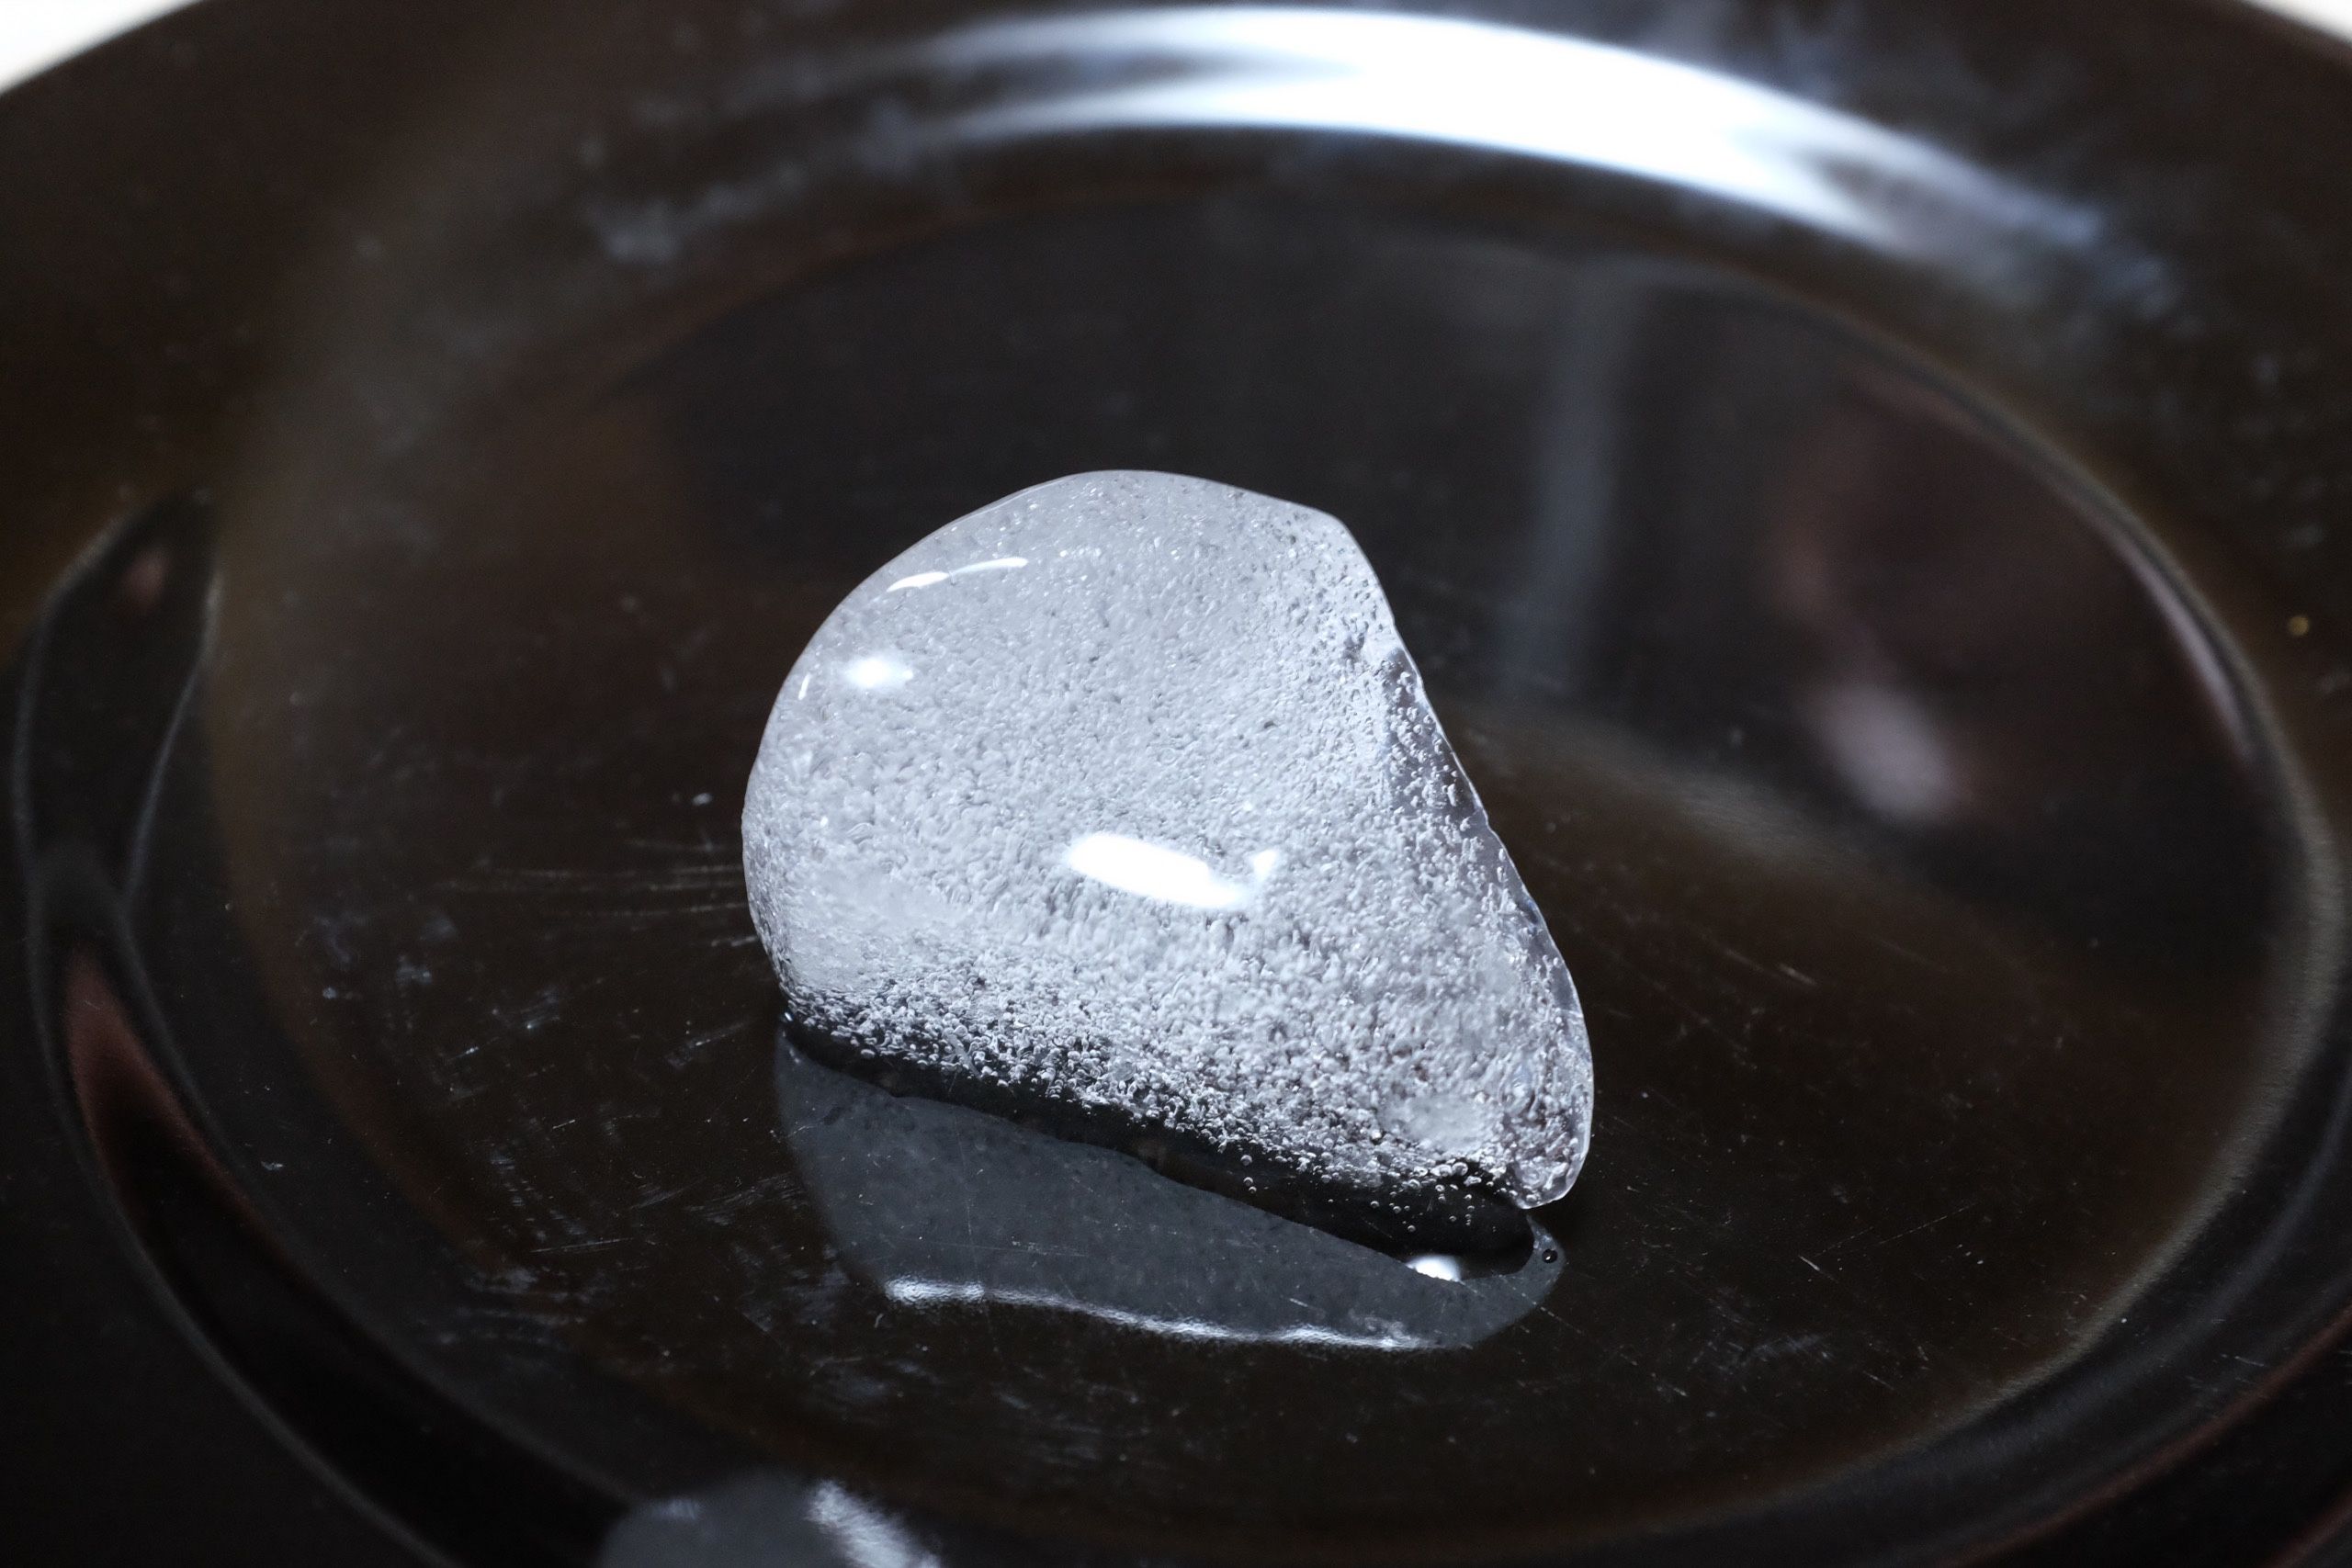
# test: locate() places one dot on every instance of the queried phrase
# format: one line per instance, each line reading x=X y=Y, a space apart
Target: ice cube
x=1118 y=802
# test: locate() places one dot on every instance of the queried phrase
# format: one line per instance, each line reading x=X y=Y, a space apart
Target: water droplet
x=1172 y=789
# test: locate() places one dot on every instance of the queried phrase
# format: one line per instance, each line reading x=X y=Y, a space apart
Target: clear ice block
x=1119 y=802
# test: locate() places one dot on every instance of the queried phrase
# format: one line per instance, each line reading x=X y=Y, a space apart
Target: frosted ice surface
x=1122 y=796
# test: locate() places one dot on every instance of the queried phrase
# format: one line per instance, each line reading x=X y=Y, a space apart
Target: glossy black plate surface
x=1864 y=487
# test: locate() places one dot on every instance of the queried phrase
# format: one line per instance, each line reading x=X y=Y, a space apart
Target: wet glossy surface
x=498 y=889
x=933 y=1205
x=1884 y=594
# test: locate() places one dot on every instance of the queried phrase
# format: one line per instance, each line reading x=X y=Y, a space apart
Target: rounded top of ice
x=1122 y=796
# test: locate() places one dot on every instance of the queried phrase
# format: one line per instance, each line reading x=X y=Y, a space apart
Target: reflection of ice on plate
x=938 y=1205
x=766 y=1519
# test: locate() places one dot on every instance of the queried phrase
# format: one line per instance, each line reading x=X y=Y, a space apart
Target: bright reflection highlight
x=877 y=673
x=1482 y=84
x=865 y=1535
x=932 y=1292
x=1890 y=749
x=926 y=579
x=1170 y=877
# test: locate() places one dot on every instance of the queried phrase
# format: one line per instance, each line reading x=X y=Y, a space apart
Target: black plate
x=1866 y=486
